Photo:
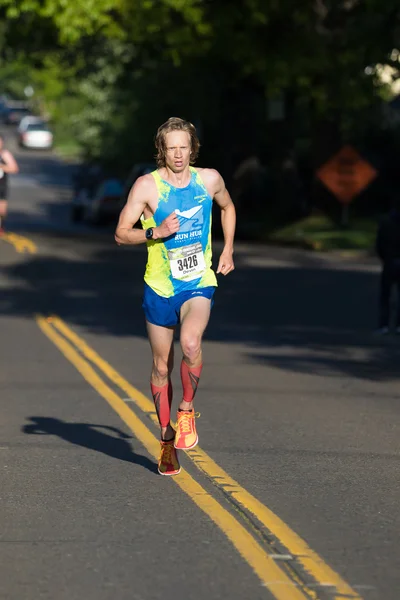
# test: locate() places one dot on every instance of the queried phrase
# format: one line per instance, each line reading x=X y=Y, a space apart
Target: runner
x=8 y=164
x=388 y=250
x=174 y=204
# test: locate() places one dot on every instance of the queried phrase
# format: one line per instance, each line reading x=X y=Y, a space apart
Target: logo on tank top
x=190 y=220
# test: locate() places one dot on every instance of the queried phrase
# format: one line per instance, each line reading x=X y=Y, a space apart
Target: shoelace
x=185 y=420
x=167 y=453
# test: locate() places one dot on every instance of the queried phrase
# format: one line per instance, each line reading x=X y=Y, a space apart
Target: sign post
x=345 y=175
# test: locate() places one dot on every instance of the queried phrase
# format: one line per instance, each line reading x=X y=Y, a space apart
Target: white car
x=29 y=120
x=36 y=135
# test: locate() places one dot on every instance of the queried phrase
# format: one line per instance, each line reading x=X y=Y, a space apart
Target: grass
x=319 y=232
x=68 y=150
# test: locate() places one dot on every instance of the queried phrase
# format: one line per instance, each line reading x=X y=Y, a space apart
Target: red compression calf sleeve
x=190 y=380
x=162 y=397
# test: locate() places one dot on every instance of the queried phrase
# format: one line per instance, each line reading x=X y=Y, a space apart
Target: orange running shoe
x=168 y=463
x=186 y=435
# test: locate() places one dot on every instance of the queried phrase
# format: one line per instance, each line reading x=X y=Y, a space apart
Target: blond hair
x=175 y=124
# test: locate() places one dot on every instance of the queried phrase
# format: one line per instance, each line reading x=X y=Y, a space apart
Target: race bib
x=187 y=262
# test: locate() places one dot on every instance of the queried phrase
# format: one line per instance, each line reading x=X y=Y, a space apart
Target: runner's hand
x=168 y=227
x=225 y=264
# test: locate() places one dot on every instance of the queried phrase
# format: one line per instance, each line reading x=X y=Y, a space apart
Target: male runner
x=8 y=164
x=174 y=205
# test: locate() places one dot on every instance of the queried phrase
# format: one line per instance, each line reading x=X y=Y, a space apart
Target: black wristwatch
x=149 y=233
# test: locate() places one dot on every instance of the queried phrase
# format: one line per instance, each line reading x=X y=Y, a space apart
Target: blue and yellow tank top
x=182 y=261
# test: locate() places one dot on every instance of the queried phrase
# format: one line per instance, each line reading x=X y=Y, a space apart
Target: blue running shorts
x=166 y=311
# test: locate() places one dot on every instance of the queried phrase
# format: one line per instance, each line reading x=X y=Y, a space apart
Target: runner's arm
x=10 y=165
x=228 y=221
x=131 y=213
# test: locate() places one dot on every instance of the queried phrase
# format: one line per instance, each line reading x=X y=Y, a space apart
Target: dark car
x=3 y=107
x=97 y=196
x=137 y=171
x=13 y=113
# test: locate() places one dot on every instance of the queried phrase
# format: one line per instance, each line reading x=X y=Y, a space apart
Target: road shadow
x=305 y=315
x=43 y=169
x=41 y=193
x=308 y=317
x=101 y=290
x=91 y=436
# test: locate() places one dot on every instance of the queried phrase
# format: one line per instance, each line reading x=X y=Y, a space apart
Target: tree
x=227 y=58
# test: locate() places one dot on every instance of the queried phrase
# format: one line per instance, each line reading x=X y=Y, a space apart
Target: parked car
x=97 y=196
x=36 y=136
x=14 y=112
x=3 y=106
x=29 y=120
x=137 y=171
x=107 y=202
x=85 y=180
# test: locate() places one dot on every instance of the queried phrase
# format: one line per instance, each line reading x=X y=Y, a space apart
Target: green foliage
x=117 y=67
x=72 y=19
x=321 y=233
x=14 y=77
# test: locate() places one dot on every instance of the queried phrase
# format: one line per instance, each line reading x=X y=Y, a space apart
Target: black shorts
x=3 y=190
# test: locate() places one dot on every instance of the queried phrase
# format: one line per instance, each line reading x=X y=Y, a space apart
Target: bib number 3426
x=187 y=262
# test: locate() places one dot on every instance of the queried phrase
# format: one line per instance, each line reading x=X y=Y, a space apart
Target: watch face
x=149 y=233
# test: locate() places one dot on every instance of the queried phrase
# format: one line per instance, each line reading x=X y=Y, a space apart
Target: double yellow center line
x=279 y=575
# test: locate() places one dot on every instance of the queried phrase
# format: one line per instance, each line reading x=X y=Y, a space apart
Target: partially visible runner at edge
x=174 y=204
x=8 y=165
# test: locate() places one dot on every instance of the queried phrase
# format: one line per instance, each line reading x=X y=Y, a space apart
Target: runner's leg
x=384 y=298
x=3 y=213
x=195 y=314
x=161 y=342
x=398 y=304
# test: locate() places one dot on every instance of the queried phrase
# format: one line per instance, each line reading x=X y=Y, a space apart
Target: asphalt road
x=294 y=492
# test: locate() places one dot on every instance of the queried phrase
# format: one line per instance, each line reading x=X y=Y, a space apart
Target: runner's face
x=178 y=150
